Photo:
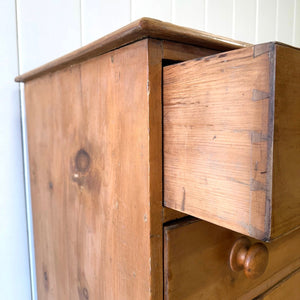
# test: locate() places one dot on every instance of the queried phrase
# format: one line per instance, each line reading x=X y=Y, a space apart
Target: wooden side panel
x=288 y=288
x=95 y=144
x=89 y=157
x=286 y=169
x=217 y=136
x=196 y=264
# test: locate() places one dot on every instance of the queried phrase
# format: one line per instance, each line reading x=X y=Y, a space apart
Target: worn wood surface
x=196 y=262
x=158 y=53
x=288 y=288
x=286 y=157
x=216 y=136
x=89 y=160
x=182 y=52
x=95 y=148
x=232 y=139
x=140 y=29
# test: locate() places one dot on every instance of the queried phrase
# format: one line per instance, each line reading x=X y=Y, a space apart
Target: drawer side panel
x=218 y=132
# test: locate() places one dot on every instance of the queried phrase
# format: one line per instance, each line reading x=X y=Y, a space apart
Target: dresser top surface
x=138 y=30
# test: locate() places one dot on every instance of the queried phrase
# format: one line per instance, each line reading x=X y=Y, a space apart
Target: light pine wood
x=288 y=288
x=95 y=147
x=215 y=139
x=137 y=30
x=196 y=262
x=182 y=52
x=286 y=156
x=95 y=133
x=218 y=139
x=89 y=161
x=160 y=52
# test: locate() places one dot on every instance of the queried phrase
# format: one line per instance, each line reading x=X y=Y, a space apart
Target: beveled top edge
x=137 y=30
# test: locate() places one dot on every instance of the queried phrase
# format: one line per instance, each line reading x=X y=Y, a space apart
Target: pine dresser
x=165 y=164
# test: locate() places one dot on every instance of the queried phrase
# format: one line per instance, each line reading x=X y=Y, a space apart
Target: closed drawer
x=232 y=139
x=196 y=262
x=288 y=288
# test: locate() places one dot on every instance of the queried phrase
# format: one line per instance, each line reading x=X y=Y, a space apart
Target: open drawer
x=232 y=139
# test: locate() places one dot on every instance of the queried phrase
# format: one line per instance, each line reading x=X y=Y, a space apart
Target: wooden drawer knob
x=252 y=259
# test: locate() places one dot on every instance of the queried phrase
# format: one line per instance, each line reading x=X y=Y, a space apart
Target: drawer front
x=288 y=288
x=232 y=139
x=196 y=262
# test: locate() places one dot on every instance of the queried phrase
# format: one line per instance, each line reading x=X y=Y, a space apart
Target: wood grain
x=216 y=136
x=288 y=288
x=140 y=29
x=196 y=264
x=286 y=158
x=89 y=161
x=232 y=139
x=95 y=147
x=158 y=53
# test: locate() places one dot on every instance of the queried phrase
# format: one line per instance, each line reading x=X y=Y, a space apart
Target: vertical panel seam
x=81 y=22
x=276 y=20
x=205 y=15
x=17 y=37
x=172 y=12
x=294 y=24
x=130 y=10
x=233 y=18
x=256 y=21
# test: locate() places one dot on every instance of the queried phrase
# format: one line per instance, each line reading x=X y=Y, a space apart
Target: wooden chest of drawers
x=134 y=131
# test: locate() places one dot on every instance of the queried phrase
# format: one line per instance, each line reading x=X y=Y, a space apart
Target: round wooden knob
x=252 y=259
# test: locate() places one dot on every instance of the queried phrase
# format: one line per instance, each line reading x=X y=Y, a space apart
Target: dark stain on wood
x=222 y=55
x=271 y=123
x=258 y=95
x=258 y=137
x=257 y=185
x=46 y=279
x=183 y=199
x=82 y=172
x=82 y=161
x=236 y=181
x=50 y=184
x=83 y=293
x=261 y=49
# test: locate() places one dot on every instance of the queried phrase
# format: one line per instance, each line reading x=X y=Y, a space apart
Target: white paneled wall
x=194 y=9
x=219 y=17
x=102 y=17
x=158 y=9
x=266 y=21
x=49 y=29
x=296 y=37
x=14 y=262
x=46 y=30
x=244 y=24
x=285 y=21
x=35 y=32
